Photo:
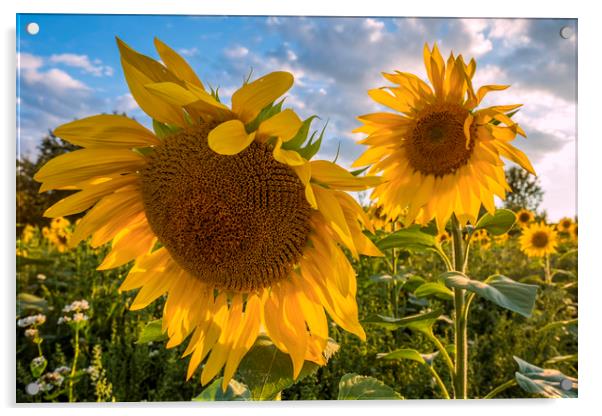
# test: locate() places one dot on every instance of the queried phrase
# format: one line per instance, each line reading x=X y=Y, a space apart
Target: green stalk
x=439 y=382
x=444 y=354
x=500 y=388
x=547 y=269
x=74 y=365
x=460 y=324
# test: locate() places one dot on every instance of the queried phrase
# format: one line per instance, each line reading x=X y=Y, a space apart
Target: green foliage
x=213 y=393
x=152 y=332
x=356 y=387
x=526 y=190
x=545 y=382
x=408 y=238
x=497 y=224
x=30 y=203
x=267 y=371
x=504 y=292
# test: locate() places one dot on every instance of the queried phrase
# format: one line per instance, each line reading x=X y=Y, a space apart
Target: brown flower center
x=524 y=217
x=540 y=239
x=238 y=223
x=437 y=145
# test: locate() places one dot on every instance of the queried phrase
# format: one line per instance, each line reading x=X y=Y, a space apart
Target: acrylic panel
x=216 y=208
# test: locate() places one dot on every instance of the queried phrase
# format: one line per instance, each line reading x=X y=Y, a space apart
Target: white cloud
x=513 y=32
x=375 y=29
x=236 y=52
x=82 y=62
x=479 y=44
x=189 y=51
x=125 y=103
x=557 y=173
x=49 y=97
x=53 y=79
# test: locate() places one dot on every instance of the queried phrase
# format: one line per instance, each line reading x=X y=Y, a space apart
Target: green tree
x=31 y=204
x=526 y=190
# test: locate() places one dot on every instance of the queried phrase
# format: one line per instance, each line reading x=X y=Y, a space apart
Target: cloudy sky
x=71 y=69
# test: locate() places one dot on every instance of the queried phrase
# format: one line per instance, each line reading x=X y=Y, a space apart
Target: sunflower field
x=216 y=257
x=122 y=356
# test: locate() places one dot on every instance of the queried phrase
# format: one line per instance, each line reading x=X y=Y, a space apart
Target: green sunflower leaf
x=163 y=130
x=267 y=371
x=296 y=142
x=29 y=261
x=408 y=238
x=152 y=332
x=266 y=113
x=558 y=324
x=358 y=172
x=213 y=393
x=545 y=381
x=356 y=387
x=421 y=322
x=437 y=289
x=29 y=302
x=313 y=146
x=497 y=224
x=501 y=290
x=387 y=278
x=402 y=354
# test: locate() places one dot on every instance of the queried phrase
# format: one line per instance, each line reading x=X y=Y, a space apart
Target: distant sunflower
x=573 y=232
x=381 y=221
x=58 y=234
x=443 y=237
x=250 y=231
x=538 y=240
x=440 y=156
x=564 y=225
x=524 y=217
x=501 y=239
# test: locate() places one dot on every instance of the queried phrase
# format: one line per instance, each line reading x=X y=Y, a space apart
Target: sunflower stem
x=74 y=365
x=500 y=388
x=548 y=274
x=439 y=382
x=460 y=322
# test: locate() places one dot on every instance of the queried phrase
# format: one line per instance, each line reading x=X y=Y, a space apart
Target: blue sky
x=71 y=69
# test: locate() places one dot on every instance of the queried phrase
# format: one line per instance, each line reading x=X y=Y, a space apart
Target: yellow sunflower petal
x=113 y=211
x=283 y=125
x=106 y=130
x=288 y=157
x=485 y=89
x=230 y=138
x=83 y=200
x=81 y=165
x=304 y=174
x=251 y=98
x=381 y=96
x=336 y=177
x=221 y=350
x=129 y=243
x=176 y=64
x=149 y=103
x=330 y=208
x=246 y=338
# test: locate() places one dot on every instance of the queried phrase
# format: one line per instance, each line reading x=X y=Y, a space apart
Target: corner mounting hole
x=566 y=32
x=32 y=28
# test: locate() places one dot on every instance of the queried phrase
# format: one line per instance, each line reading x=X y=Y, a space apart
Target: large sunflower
x=538 y=240
x=220 y=210
x=441 y=155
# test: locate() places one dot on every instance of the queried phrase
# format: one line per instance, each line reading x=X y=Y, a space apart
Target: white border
x=589 y=146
